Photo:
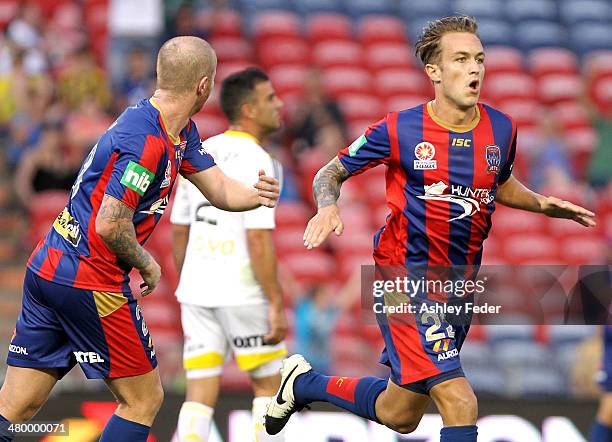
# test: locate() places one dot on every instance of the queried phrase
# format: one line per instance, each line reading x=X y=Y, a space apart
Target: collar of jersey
x=461 y=128
x=173 y=139
x=239 y=133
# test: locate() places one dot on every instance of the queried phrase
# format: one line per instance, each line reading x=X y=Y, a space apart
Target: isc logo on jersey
x=137 y=178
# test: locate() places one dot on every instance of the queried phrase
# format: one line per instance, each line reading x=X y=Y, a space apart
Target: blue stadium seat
x=503 y=333
x=308 y=7
x=575 y=11
x=591 y=36
x=519 y=10
x=358 y=8
x=563 y=334
x=540 y=381
x=415 y=26
x=533 y=34
x=522 y=354
x=476 y=354
x=250 y=7
x=495 y=32
x=479 y=8
x=485 y=380
x=411 y=10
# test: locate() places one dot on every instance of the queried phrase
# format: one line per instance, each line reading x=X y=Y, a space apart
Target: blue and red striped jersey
x=441 y=183
x=136 y=162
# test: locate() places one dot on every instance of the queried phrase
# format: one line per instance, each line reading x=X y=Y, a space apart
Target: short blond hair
x=428 y=48
x=182 y=62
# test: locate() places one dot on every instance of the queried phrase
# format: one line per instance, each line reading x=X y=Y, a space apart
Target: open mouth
x=473 y=85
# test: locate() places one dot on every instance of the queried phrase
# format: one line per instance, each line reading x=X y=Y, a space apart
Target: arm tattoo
x=327 y=182
x=122 y=238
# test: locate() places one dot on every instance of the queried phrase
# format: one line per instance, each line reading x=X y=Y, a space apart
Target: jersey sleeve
x=262 y=217
x=196 y=159
x=135 y=165
x=369 y=150
x=509 y=164
x=181 y=210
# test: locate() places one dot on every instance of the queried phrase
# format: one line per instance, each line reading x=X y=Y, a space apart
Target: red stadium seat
x=275 y=24
x=381 y=28
x=506 y=86
x=44 y=208
x=509 y=221
x=293 y=214
x=324 y=27
x=330 y=54
x=226 y=69
x=310 y=267
x=227 y=23
x=232 y=49
x=556 y=88
x=356 y=128
x=8 y=11
x=571 y=115
x=338 y=81
x=289 y=239
x=531 y=248
x=391 y=82
x=276 y=52
x=546 y=61
x=524 y=112
x=401 y=102
x=601 y=93
x=503 y=59
x=598 y=64
x=389 y=55
x=581 y=250
x=288 y=79
x=209 y=125
x=360 y=107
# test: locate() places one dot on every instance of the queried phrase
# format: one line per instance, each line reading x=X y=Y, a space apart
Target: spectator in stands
x=317 y=119
x=83 y=80
x=600 y=170
x=85 y=125
x=51 y=165
x=551 y=166
x=184 y=23
x=25 y=31
x=138 y=82
x=132 y=23
x=316 y=317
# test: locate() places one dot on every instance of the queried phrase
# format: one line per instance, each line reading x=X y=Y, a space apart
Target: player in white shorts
x=231 y=302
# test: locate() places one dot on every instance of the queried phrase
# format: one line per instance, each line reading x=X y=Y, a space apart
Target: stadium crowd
x=68 y=67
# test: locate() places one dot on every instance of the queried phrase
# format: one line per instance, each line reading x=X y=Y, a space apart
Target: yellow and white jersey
x=217 y=269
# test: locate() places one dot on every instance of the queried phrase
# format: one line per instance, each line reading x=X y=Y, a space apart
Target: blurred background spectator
x=69 y=67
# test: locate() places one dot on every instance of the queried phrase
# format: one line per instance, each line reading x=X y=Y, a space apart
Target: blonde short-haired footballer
x=449 y=161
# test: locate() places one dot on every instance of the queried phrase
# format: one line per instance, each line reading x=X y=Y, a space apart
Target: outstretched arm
x=514 y=194
x=326 y=186
x=226 y=193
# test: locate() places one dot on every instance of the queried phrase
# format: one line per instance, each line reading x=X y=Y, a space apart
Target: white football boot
x=283 y=405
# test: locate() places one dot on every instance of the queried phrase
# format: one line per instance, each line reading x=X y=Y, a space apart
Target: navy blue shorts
x=422 y=350
x=59 y=326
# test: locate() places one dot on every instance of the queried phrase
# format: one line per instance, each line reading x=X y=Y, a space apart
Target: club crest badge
x=167 y=176
x=493 y=157
x=424 y=153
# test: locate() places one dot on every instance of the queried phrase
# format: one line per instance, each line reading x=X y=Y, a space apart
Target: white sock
x=260 y=406
x=194 y=422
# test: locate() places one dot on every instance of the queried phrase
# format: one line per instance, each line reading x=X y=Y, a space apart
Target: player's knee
x=460 y=409
x=403 y=423
x=146 y=404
